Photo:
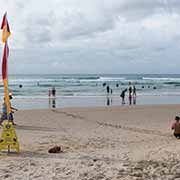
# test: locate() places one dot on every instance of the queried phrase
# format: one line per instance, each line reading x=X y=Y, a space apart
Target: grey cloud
x=135 y=10
x=115 y=36
x=78 y=24
x=38 y=30
x=37 y=35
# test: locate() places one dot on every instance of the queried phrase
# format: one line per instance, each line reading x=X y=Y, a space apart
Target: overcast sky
x=93 y=36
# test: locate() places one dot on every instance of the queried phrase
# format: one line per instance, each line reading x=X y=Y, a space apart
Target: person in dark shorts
x=108 y=89
x=130 y=93
x=53 y=91
x=123 y=94
x=134 y=94
x=176 y=127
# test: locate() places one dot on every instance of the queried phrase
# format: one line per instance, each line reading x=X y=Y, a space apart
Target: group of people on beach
x=52 y=92
x=131 y=94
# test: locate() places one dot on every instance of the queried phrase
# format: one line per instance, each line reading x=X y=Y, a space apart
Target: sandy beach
x=105 y=143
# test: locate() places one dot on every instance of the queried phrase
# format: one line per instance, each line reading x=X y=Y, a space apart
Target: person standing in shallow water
x=123 y=94
x=53 y=92
x=107 y=89
x=130 y=93
x=134 y=94
x=49 y=93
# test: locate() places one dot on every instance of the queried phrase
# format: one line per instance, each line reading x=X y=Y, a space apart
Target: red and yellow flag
x=5 y=77
x=5 y=35
x=5 y=28
x=4 y=61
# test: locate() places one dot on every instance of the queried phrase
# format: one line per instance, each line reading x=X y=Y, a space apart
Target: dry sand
x=98 y=144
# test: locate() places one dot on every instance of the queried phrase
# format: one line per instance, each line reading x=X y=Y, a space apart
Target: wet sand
x=89 y=101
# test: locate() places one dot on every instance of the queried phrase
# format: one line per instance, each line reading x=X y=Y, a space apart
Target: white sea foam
x=91 y=85
x=104 y=79
x=161 y=79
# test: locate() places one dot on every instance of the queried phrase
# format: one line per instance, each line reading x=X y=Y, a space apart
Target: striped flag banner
x=5 y=34
x=5 y=28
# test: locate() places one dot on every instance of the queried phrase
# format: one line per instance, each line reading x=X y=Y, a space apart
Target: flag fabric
x=4 y=61
x=5 y=34
x=5 y=78
x=5 y=28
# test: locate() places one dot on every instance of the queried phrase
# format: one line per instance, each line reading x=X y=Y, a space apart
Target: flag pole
x=9 y=139
x=5 y=34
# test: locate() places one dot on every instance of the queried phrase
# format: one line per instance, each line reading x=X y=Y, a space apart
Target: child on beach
x=176 y=127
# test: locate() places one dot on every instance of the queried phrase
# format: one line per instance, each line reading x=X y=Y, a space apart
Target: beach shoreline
x=88 y=101
x=126 y=142
x=32 y=91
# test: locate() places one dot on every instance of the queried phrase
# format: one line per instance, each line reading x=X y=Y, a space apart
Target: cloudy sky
x=93 y=36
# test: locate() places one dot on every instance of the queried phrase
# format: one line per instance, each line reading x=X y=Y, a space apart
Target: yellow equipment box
x=8 y=138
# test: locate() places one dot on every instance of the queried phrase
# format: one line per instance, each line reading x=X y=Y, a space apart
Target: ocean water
x=35 y=88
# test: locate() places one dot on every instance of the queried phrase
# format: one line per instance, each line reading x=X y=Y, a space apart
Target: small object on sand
x=95 y=159
x=55 y=149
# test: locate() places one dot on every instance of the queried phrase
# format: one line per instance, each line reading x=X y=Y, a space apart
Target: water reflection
x=109 y=101
x=52 y=102
x=134 y=100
